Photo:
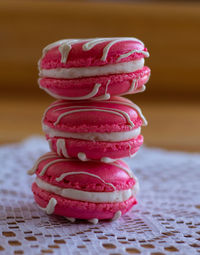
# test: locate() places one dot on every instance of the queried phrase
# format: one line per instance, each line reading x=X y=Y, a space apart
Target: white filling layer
x=94 y=136
x=95 y=197
x=78 y=72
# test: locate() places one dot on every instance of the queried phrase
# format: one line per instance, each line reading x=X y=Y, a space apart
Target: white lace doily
x=165 y=221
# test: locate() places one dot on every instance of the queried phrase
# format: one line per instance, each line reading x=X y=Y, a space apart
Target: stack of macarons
x=90 y=127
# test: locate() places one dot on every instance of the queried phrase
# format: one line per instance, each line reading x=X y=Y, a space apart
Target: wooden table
x=169 y=29
x=172 y=125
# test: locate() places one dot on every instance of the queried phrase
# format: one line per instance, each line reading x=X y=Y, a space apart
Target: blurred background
x=170 y=30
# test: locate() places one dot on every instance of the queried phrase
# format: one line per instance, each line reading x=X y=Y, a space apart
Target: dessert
x=83 y=190
x=90 y=127
x=97 y=68
x=98 y=130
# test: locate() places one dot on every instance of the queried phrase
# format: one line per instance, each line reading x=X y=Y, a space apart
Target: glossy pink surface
x=90 y=120
x=79 y=58
x=119 y=84
x=96 y=150
x=109 y=173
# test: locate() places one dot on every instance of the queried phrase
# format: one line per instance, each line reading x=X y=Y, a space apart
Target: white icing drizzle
x=82 y=156
x=141 y=89
x=131 y=52
x=66 y=45
x=50 y=107
x=107 y=160
x=133 y=86
x=61 y=148
x=111 y=41
x=127 y=170
x=133 y=106
x=51 y=163
x=70 y=219
x=136 y=188
x=60 y=178
x=65 y=49
x=50 y=144
x=117 y=215
x=88 y=96
x=50 y=207
x=106 y=95
x=93 y=221
x=118 y=112
x=34 y=168
x=52 y=45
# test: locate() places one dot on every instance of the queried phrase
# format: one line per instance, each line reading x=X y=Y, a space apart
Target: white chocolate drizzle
x=61 y=148
x=141 y=89
x=52 y=163
x=118 y=112
x=108 y=160
x=115 y=111
x=44 y=157
x=82 y=156
x=133 y=87
x=117 y=215
x=133 y=106
x=50 y=107
x=50 y=207
x=106 y=95
x=93 y=221
x=65 y=49
x=60 y=178
x=127 y=170
x=66 y=45
x=131 y=52
x=70 y=219
x=50 y=144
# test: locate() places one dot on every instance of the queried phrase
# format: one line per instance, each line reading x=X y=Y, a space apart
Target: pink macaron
x=97 y=68
x=94 y=130
x=83 y=190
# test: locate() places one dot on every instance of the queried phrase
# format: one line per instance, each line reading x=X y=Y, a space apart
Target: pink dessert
x=79 y=69
x=97 y=130
x=83 y=190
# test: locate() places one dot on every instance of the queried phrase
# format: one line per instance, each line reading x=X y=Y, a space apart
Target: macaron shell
x=115 y=115
x=78 y=57
x=94 y=87
x=81 y=210
x=86 y=176
x=96 y=150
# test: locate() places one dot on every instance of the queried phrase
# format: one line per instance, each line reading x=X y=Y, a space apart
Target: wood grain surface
x=170 y=126
x=169 y=30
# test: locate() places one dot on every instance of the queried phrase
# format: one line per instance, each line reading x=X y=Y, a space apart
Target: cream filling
x=95 y=197
x=94 y=136
x=78 y=72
